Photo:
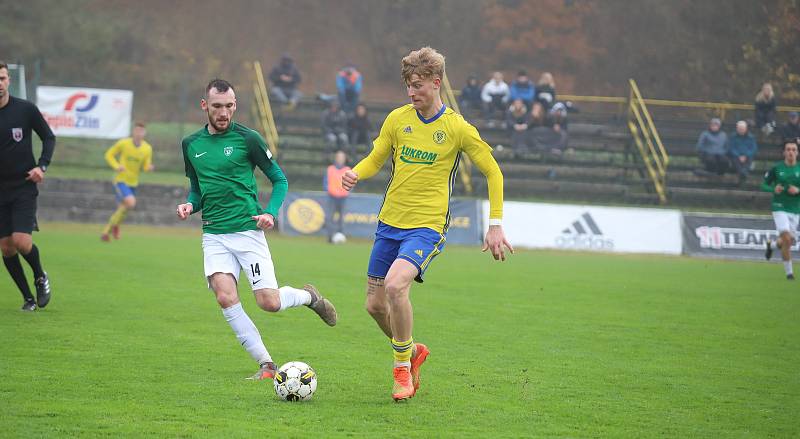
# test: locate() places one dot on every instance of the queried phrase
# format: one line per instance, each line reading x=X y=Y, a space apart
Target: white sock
x=247 y=333
x=291 y=297
x=787 y=267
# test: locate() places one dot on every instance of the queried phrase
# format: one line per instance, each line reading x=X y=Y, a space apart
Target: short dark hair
x=139 y=124
x=220 y=84
x=3 y=65
x=795 y=140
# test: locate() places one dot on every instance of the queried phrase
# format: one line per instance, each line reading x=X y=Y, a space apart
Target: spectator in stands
x=285 y=78
x=495 y=97
x=712 y=147
x=542 y=134
x=348 y=85
x=546 y=91
x=539 y=116
x=517 y=118
x=470 y=98
x=765 y=109
x=558 y=116
x=522 y=88
x=742 y=148
x=791 y=130
x=337 y=195
x=334 y=128
x=359 y=127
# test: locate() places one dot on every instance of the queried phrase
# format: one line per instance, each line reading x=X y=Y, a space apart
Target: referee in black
x=19 y=175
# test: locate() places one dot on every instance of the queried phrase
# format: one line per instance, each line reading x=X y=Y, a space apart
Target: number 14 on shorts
x=255 y=269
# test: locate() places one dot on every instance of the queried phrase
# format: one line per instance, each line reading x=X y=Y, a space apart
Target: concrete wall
x=94 y=201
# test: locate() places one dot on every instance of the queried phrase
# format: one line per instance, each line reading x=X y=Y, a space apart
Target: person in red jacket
x=337 y=195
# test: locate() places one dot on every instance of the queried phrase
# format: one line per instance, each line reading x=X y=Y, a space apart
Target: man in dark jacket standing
x=19 y=175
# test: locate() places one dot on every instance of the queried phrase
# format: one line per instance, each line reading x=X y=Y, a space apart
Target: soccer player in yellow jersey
x=135 y=155
x=425 y=140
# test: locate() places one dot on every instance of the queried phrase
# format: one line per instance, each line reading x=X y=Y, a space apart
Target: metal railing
x=647 y=141
x=465 y=166
x=264 y=110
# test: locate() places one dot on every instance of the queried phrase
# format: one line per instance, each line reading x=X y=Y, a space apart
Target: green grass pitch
x=547 y=344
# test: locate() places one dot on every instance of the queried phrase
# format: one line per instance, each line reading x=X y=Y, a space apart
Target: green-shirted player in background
x=220 y=160
x=783 y=180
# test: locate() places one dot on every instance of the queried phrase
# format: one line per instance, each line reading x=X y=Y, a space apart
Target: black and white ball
x=295 y=381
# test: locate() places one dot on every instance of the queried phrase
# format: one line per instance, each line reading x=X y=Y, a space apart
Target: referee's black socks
x=14 y=268
x=33 y=260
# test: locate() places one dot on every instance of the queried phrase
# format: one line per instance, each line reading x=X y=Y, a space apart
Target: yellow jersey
x=133 y=158
x=425 y=157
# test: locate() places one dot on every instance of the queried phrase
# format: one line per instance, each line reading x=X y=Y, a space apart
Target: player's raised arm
x=481 y=154
x=373 y=162
x=262 y=157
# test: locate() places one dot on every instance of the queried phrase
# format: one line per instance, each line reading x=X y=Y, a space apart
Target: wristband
x=495 y=222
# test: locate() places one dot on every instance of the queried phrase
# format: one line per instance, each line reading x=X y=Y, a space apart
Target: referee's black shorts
x=18 y=208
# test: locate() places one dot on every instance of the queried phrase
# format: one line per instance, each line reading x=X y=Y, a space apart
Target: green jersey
x=222 y=184
x=784 y=175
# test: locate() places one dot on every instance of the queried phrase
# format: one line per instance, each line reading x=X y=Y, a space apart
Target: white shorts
x=785 y=221
x=233 y=252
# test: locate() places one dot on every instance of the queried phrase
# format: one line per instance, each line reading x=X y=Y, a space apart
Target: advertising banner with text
x=308 y=213
x=594 y=228
x=728 y=236
x=86 y=112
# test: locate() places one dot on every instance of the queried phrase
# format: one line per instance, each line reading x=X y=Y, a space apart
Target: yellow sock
x=402 y=352
x=116 y=218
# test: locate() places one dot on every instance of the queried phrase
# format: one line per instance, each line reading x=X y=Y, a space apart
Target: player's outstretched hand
x=35 y=175
x=349 y=180
x=793 y=190
x=778 y=188
x=495 y=240
x=264 y=221
x=184 y=210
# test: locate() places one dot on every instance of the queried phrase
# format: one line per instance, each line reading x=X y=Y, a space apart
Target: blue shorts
x=123 y=190
x=418 y=246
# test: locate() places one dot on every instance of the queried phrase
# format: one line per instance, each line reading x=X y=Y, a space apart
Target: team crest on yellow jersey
x=407 y=129
x=439 y=137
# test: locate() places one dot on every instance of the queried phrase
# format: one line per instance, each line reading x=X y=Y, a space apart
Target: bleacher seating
x=605 y=167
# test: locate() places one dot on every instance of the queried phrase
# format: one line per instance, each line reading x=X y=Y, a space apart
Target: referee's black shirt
x=17 y=121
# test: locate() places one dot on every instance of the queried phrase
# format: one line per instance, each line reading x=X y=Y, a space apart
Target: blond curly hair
x=425 y=62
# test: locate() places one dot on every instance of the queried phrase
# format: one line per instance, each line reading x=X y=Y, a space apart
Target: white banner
x=86 y=112
x=609 y=229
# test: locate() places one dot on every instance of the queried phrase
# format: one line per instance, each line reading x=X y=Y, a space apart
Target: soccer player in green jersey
x=220 y=159
x=783 y=180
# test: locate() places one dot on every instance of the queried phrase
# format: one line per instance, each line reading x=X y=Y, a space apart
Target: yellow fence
x=264 y=109
x=647 y=141
x=465 y=166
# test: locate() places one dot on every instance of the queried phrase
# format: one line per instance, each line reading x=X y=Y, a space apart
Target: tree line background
x=712 y=50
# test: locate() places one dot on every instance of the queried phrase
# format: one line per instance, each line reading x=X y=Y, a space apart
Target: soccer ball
x=338 y=238
x=295 y=381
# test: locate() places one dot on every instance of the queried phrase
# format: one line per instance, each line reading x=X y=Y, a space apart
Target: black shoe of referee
x=42 y=291
x=29 y=305
x=768 y=253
